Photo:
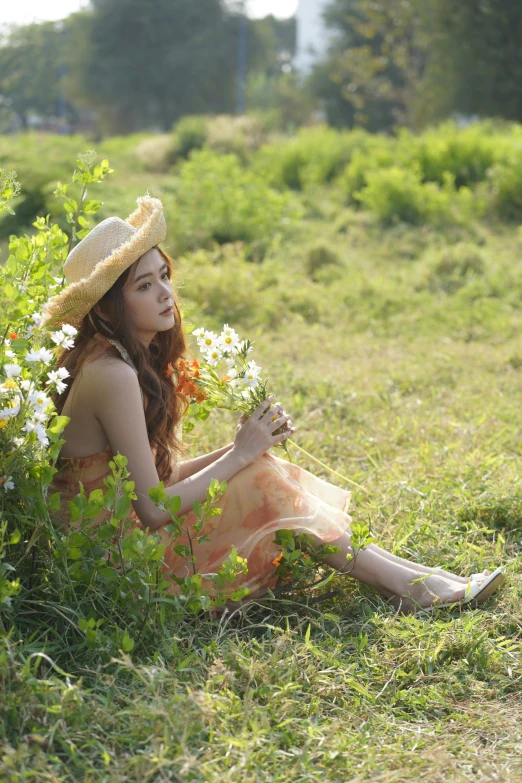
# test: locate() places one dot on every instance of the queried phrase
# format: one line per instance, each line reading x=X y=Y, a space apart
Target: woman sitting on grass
x=121 y=398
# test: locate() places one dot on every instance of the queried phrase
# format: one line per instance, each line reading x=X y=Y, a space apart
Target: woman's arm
x=115 y=400
x=191 y=466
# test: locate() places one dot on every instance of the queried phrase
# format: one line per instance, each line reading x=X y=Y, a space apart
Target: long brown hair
x=164 y=405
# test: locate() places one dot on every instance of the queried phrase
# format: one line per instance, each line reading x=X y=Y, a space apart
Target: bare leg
x=413 y=587
x=424 y=569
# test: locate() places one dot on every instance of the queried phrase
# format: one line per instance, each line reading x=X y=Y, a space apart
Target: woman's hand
x=254 y=434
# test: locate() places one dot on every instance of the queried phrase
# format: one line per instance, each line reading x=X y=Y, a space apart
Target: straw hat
x=96 y=262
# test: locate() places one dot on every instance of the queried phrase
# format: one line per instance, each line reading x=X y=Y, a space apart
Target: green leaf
x=158 y=494
x=91 y=207
x=74 y=553
x=58 y=424
x=15 y=537
x=127 y=643
x=123 y=507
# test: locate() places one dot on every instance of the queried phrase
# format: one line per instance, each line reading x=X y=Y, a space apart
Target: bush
x=240 y=135
x=399 y=194
x=506 y=187
x=156 y=153
x=314 y=157
x=319 y=256
x=218 y=200
x=465 y=153
x=190 y=133
x=453 y=267
x=355 y=176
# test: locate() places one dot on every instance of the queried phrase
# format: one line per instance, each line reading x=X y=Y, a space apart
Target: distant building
x=312 y=35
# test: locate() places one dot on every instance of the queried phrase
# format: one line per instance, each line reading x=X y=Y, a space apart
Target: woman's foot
x=427 y=569
x=428 y=591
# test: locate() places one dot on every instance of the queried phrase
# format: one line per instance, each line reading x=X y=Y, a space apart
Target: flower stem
x=322 y=464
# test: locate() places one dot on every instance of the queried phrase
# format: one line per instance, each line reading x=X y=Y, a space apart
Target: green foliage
x=396 y=193
x=406 y=378
x=318 y=257
x=9 y=189
x=454 y=266
x=506 y=185
x=314 y=157
x=190 y=133
x=467 y=153
x=219 y=200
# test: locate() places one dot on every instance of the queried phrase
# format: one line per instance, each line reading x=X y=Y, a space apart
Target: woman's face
x=149 y=296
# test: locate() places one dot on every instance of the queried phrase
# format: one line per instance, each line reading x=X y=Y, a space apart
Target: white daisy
x=61 y=339
x=27 y=385
x=6 y=483
x=41 y=434
x=252 y=374
x=198 y=333
x=8 y=413
x=69 y=330
x=208 y=340
x=229 y=340
x=40 y=355
x=12 y=370
x=213 y=356
x=55 y=377
x=39 y=400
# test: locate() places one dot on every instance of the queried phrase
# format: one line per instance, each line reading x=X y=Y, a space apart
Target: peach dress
x=268 y=495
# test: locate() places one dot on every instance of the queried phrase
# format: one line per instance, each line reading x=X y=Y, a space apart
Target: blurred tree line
x=137 y=66
x=413 y=62
x=140 y=65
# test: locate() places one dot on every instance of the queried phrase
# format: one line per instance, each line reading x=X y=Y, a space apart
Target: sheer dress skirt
x=268 y=495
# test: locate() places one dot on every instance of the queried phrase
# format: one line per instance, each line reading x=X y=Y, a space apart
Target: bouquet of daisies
x=225 y=377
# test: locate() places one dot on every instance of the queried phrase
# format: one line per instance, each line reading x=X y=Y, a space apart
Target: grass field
x=397 y=350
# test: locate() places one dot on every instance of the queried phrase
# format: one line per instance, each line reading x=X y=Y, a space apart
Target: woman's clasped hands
x=256 y=433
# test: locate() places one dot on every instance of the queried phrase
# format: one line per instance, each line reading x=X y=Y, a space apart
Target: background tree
x=147 y=64
x=476 y=57
x=30 y=70
x=375 y=68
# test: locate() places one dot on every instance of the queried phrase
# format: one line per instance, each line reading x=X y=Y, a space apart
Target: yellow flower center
x=208 y=341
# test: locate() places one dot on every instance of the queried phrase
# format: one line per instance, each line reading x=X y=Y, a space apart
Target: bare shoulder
x=107 y=373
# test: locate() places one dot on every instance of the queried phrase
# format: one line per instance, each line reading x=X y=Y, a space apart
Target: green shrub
x=399 y=194
x=218 y=200
x=453 y=267
x=506 y=187
x=465 y=153
x=319 y=256
x=355 y=176
x=315 y=156
x=240 y=135
x=156 y=153
x=190 y=133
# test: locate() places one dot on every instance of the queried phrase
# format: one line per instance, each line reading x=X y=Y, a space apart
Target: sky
x=26 y=11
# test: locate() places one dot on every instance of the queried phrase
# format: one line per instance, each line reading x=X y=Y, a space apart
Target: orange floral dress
x=268 y=495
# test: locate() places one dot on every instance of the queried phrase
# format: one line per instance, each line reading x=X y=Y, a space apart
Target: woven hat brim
x=72 y=304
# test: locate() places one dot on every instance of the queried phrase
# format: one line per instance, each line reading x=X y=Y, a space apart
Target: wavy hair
x=164 y=405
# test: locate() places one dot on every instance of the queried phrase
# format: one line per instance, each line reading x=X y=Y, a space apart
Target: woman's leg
x=413 y=587
x=424 y=569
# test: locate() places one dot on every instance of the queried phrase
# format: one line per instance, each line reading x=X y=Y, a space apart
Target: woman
x=120 y=398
